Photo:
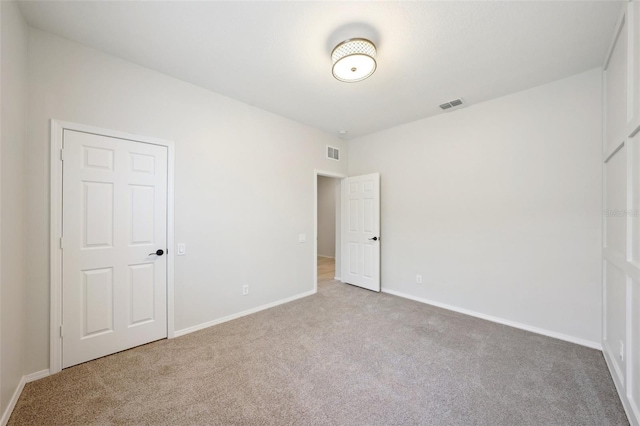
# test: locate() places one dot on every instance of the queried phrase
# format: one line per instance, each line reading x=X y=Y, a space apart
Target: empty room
x=319 y=212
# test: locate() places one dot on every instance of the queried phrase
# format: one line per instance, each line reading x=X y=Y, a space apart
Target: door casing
x=55 y=214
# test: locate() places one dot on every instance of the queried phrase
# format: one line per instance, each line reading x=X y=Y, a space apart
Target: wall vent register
x=333 y=153
x=451 y=104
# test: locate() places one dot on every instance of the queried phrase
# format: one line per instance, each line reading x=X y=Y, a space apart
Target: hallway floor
x=326 y=269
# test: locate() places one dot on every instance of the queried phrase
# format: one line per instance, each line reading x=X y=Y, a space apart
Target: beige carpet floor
x=344 y=356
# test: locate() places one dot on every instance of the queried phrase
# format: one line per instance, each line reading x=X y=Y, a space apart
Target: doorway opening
x=328 y=218
x=327 y=228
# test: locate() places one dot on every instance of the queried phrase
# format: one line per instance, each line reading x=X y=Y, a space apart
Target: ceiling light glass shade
x=354 y=60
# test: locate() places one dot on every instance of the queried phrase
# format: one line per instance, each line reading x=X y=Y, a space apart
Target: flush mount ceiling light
x=354 y=60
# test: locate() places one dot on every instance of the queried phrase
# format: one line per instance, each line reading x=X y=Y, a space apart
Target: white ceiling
x=276 y=55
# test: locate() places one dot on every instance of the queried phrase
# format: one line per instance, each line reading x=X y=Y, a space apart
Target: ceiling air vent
x=451 y=104
x=333 y=153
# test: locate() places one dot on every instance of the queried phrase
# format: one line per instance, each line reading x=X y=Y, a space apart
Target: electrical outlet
x=418 y=279
x=621 y=351
x=245 y=290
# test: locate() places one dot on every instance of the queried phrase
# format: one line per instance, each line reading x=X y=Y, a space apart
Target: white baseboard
x=337 y=279
x=16 y=395
x=614 y=368
x=12 y=402
x=208 y=324
x=548 y=333
x=626 y=404
x=37 y=376
x=328 y=257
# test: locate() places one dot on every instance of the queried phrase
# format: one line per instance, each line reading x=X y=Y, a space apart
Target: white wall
x=498 y=206
x=326 y=216
x=243 y=184
x=12 y=140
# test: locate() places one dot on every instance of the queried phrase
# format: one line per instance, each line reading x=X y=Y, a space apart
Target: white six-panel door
x=361 y=231
x=114 y=220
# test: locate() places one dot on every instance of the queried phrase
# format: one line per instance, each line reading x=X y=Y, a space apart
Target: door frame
x=334 y=175
x=55 y=215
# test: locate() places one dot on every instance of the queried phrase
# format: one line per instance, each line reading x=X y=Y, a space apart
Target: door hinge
x=61 y=242
x=62 y=154
x=61 y=332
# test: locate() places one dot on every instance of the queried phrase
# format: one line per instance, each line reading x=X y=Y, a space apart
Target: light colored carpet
x=345 y=356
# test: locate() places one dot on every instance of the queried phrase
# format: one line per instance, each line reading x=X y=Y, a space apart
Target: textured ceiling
x=276 y=55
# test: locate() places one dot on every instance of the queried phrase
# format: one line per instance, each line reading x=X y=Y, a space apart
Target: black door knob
x=374 y=238
x=158 y=252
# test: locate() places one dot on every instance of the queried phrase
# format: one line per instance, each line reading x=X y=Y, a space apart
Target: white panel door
x=114 y=224
x=361 y=231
